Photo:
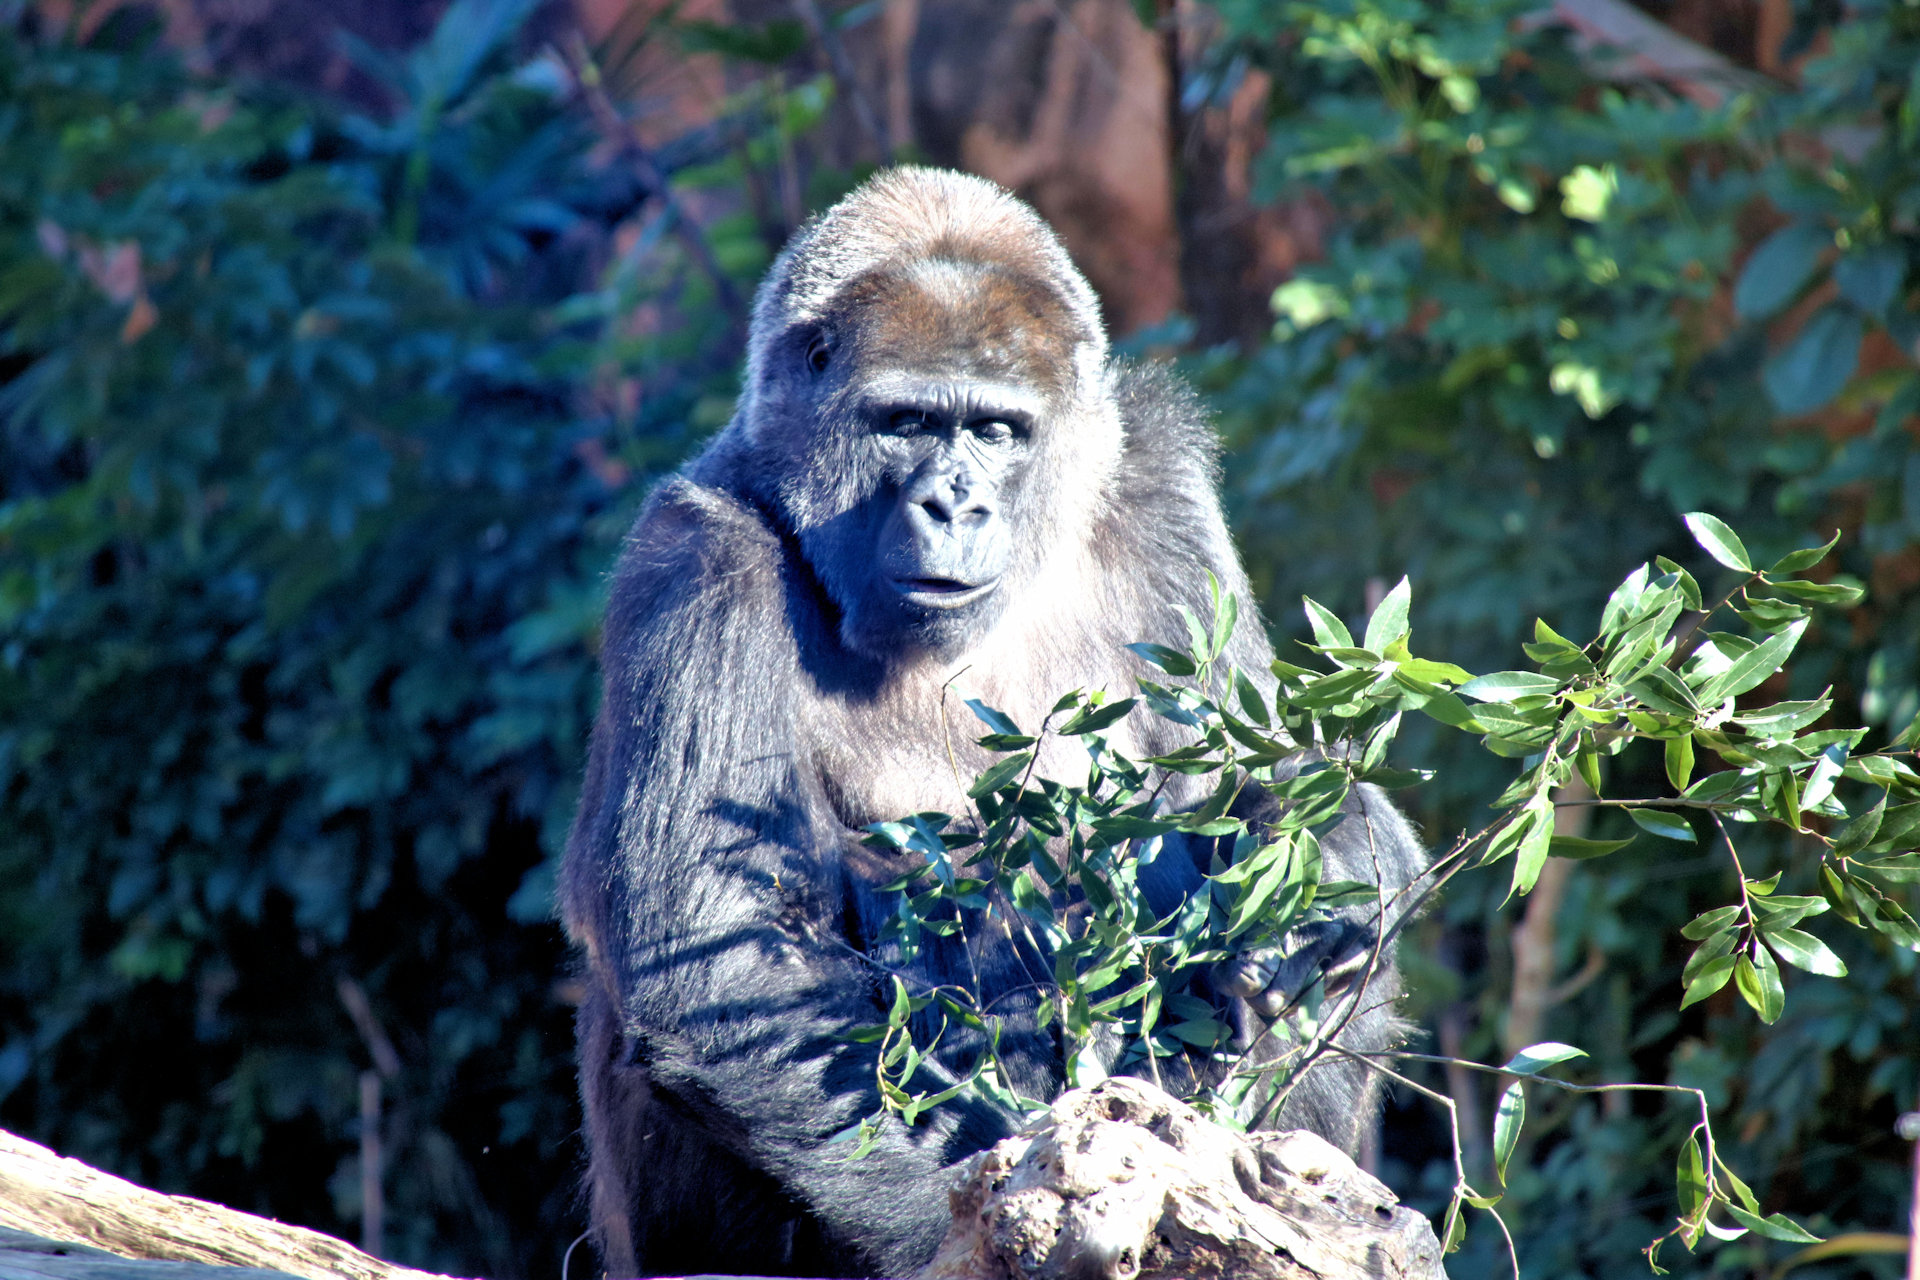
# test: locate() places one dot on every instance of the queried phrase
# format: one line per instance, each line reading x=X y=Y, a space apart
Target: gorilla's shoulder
x=1170 y=441
x=694 y=541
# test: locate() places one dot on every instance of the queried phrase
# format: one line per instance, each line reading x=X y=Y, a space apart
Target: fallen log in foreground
x=59 y=1200
x=1119 y=1181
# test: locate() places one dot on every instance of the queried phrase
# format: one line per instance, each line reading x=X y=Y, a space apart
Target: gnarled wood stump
x=1122 y=1182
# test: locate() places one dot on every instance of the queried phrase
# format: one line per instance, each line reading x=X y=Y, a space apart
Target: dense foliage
x=1556 y=313
x=317 y=432
x=299 y=542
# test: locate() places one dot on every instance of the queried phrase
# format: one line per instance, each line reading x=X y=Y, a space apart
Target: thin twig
x=1461 y=1187
x=593 y=90
x=843 y=71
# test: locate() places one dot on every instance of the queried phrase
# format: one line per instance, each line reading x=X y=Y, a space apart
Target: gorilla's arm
x=1170 y=468
x=704 y=875
x=1165 y=531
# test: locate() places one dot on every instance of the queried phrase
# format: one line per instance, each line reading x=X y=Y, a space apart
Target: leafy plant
x=303 y=517
x=1657 y=672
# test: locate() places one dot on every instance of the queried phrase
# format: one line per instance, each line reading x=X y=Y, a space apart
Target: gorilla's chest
x=912 y=749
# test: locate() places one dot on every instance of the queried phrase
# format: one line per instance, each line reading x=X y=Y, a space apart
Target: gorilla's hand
x=1273 y=979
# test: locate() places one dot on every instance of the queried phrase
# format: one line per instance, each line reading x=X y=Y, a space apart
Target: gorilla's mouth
x=942 y=593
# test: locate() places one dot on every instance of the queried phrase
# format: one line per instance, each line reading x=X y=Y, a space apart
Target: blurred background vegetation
x=341 y=339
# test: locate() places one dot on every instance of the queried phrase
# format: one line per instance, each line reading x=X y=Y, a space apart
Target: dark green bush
x=301 y=529
x=1541 y=332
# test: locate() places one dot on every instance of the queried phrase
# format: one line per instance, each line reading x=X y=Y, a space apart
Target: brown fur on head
x=934 y=290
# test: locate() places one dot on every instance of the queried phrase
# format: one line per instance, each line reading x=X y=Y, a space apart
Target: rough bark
x=1122 y=1182
x=44 y=1195
x=1119 y=1182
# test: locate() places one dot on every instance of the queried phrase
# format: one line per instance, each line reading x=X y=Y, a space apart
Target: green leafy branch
x=1061 y=862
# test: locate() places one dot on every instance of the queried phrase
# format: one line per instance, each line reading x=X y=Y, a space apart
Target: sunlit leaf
x=1719 y=541
x=1532 y=1059
x=1660 y=823
x=1804 y=951
x=1507 y=1121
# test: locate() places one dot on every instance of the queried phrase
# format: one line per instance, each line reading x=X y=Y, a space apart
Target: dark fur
x=764 y=699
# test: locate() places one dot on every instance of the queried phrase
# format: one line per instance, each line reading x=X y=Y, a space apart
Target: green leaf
x=1753 y=667
x=1454 y=1232
x=1530 y=1060
x=1201 y=1033
x=1758 y=978
x=1375 y=754
x=1397 y=779
x=1002 y=773
x=1226 y=613
x=1708 y=923
x=1774 y=1227
x=1252 y=705
x=1679 y=756
x=1836 y=895
x=1785 y=910
x=1668 y=826
x=1806 y=558
x=1507 y=1120
x=1171 y=661
x=1579 y=847
x=1335 y=894
x=1690 y=1179
x=902 y=1007
x=1437 y=703
x=1870 y=276
x=1825 y=773
x=1839 y=593
x=1427 y=670
x=1821 y=360
x=1904 y=867
x=1198 y=646
x=1783 y=718
x=1133 y=827
x=1506 y=686
x=1778 y=268
x=1741 y=1190
x=1094 y=719
x=1681 y=580
x=1746 y=980
x=1719 y=541
x=1389 y=620
x=1803 y=951
x=1327 y=629
x=1859 y=833
x=1710 y=977
x=1531 y=855
x=993 y=719
x=1719 y=944
x=1588 y=762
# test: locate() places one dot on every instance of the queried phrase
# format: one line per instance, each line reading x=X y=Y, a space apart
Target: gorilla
x=935 y=470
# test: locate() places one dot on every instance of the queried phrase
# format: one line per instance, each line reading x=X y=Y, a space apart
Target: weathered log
x=1122 y=1182
x=29 y=1257
x=45 y=1195
x=1118 y=1181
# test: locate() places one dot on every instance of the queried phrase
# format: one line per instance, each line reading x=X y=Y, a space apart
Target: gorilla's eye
x=991 y=430
x=819 y=352
x=907 y=421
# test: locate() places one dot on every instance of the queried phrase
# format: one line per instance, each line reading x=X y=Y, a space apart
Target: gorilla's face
x=928 y=420
x=953 y=455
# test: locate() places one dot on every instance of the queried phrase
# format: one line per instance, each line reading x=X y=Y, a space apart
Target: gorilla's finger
x=1249 y=973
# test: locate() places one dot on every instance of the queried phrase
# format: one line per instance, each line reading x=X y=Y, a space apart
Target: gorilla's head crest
x=927 y=389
